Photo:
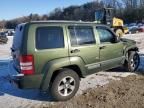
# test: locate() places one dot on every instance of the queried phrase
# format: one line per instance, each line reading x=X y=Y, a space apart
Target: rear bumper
x=16 y=79
x=26 y=82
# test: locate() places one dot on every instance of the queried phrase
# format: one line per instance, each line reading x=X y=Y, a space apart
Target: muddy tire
x=65 y=85
x=133 y=61
x=119 y=32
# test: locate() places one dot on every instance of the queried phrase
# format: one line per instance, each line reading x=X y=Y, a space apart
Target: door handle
x=75 y=51
x=102 y=47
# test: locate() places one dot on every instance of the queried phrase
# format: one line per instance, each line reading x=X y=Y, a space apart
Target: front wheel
x=133 y=61
x=64 y=85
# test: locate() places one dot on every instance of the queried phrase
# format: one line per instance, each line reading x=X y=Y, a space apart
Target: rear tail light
x=27 y=64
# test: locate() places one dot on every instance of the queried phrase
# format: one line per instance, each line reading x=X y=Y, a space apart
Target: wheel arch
x=128 y=50
x=72 y=67
x=52 y=68
x=127 y=61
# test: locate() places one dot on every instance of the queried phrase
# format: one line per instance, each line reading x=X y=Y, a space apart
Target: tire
x=3 y=40
x=119 y=32
x=65 y=85
x=133 y=61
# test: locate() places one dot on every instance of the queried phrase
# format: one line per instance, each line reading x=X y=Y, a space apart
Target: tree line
x=128 y=10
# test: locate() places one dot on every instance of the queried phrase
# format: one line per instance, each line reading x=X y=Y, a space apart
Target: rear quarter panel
x=41 y=57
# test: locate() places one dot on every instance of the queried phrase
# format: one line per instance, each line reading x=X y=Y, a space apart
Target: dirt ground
x=126 y=93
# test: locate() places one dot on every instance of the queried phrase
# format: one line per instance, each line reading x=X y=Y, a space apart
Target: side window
x=81 y=35
x=49 y=38
x=104 y=34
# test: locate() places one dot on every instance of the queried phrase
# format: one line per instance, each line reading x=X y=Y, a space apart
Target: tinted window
x=81 y=35
x=17 y=40
x=49 y=38
x=105 y=35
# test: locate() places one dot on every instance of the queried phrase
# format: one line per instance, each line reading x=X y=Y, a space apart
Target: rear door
x=83 y=45
x=111 y=52
x=49 y=43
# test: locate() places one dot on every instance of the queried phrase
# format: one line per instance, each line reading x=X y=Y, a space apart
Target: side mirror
x=116 y=39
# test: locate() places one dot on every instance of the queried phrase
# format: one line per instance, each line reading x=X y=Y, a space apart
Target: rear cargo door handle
x=75 y=51
x=102 y=47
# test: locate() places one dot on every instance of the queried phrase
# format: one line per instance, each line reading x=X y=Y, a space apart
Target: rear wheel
x=133 y=61
x=64 y=85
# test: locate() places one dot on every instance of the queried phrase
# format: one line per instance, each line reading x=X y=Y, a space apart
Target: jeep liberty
x=54 y=55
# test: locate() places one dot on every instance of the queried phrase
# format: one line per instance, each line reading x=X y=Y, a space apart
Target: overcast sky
x=10 y=9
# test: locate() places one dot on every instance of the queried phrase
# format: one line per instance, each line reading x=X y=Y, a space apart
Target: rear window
x=49 y=38
x=17 y=40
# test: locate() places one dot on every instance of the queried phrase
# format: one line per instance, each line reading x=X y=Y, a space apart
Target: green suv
x=54 y=55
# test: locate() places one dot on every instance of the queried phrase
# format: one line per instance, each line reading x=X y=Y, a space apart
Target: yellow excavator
x=105 y=16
